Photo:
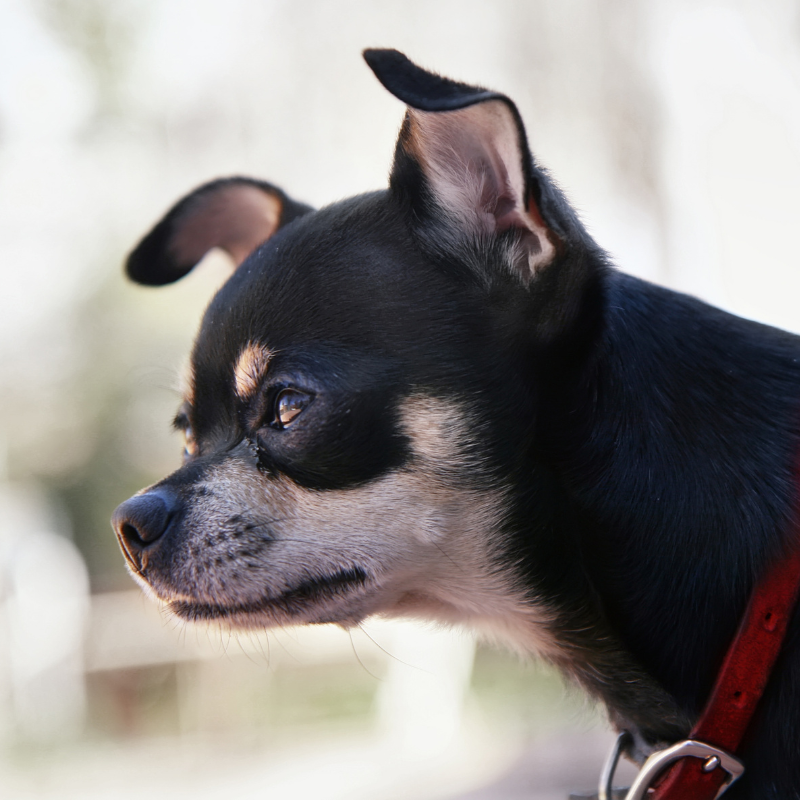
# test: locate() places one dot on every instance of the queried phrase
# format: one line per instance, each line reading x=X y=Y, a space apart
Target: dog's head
x=361 y=412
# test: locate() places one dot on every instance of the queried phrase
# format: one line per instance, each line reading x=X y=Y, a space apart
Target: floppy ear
x=235 y=214
x=470 y=147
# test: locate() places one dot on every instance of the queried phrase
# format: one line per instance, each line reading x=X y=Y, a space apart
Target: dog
x=441 y=400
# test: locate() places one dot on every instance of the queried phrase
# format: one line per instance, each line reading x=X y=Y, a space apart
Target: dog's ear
x=235 y=214
x=469 y=146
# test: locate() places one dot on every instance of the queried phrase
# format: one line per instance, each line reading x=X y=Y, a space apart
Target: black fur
x=651 y=439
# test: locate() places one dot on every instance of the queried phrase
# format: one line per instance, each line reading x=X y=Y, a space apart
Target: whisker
x=449 y=558
x=358 y=658
x=384 y=650
x=237 y=637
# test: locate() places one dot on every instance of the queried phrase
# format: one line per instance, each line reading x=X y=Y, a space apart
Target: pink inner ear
x=235 y=218
x=471 y=158
x=474 y=164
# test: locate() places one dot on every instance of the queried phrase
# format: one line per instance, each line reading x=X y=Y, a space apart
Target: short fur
x=441 y=400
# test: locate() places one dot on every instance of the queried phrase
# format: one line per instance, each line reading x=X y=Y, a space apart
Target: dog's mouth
x=293 y=603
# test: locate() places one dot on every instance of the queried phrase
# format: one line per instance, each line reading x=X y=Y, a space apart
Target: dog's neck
x=671 y=532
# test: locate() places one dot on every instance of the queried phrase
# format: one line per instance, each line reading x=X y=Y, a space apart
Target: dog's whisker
x=441 y=549
x=358 y=658
x=384 y=650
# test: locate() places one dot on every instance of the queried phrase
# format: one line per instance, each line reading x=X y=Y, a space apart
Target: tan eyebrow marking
x=251 y=367
x=186 y=383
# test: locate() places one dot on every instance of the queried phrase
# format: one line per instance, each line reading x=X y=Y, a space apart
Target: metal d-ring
x=605 y=789
x=657 y=762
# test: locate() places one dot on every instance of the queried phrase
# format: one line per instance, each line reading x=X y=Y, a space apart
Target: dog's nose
x=141 y=521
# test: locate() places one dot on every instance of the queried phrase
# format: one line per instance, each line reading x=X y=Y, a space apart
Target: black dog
x=440 y=400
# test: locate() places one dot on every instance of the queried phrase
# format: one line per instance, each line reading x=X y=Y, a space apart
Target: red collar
x=703 y=766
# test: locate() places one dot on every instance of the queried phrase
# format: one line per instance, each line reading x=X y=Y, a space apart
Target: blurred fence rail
x=128 y=630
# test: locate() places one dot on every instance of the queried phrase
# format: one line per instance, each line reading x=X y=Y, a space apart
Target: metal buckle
x=657 y=762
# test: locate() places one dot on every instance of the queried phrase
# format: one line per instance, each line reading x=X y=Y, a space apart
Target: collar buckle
x=657 y=762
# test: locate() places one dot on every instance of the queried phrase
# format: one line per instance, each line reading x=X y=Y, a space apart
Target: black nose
x=141 y=521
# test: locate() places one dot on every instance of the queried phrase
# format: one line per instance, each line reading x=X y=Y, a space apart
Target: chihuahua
x=440 y=400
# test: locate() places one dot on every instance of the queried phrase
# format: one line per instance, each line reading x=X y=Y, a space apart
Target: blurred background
x=673 y=126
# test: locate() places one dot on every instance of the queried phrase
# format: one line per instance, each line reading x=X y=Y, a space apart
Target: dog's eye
x=288 y=405
x=189 y=443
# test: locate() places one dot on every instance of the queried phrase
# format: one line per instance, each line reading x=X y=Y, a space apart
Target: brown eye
x=288 y=405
